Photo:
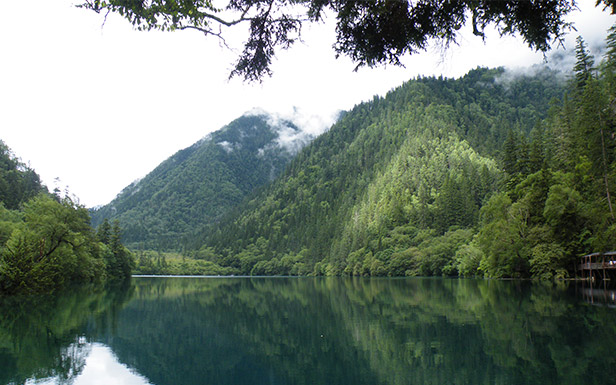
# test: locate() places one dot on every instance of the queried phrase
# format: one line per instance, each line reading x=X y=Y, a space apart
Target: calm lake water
x=172 y=331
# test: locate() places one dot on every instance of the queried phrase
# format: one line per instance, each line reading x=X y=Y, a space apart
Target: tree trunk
x=605 y=172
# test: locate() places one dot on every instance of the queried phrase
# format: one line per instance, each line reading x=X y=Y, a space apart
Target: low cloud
x=538 y=70
x=559 y=62
x=228 y=147
x=296 y=128
x=592 y=28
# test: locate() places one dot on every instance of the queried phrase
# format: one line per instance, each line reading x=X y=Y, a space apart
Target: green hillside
x=393 y=173
x=197 y=185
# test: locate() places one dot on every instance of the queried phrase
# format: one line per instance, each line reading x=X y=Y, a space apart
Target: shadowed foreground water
x=169 y=331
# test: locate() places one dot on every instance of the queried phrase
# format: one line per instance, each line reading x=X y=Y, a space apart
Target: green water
x=310 y=331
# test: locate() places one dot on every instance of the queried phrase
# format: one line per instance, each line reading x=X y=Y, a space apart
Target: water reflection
x=599 y=294
x=313 y=331
x=100 y=367
x=43 y=337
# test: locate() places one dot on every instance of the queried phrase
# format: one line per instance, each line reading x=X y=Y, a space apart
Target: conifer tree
x=537 y=149
x=119 y=264
x=563 y=135
x=104 y=232
x=510 y=154
x=609 y=60
x=583 y=68
x=523 y=164
x=593 y=130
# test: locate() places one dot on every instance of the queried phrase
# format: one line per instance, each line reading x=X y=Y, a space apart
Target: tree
x=609 y=63
x=595 y=131
x=537 y=149
x=104 y=232
x=54 y=246
x=119 y=259
x=510 y=153
x=503 y=238
x=18 y=182
x=455 y=205
x=584 y=65
x=564 y=215
x=369 y=32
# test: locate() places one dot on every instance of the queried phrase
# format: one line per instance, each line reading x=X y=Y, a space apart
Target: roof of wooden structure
x=606 y=254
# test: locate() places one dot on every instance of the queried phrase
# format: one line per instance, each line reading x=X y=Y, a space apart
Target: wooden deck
x=598 y=265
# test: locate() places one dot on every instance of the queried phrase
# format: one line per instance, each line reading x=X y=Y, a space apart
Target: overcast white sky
x=100 y=107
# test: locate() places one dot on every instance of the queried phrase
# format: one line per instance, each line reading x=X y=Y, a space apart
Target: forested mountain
x=197 y=185
x=494 y=174
x=393 y=174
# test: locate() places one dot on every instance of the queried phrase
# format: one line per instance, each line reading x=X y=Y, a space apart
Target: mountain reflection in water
x=238 y=331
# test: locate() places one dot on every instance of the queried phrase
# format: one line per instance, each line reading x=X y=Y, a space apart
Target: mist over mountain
x=197 y=185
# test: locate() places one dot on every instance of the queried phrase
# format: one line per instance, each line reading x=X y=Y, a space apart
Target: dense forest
x=46 y=241
x=199 y=184
x=488 y=175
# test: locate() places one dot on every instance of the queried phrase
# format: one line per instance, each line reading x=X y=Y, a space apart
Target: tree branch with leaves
x=369 y=32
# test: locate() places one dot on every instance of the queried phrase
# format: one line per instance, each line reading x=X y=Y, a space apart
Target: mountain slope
x=392 y=173
x=197 y=185
x=18 y=182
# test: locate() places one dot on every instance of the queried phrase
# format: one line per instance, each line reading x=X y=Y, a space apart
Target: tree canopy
x=46 y=241
x=18 y=182
x=369 y=32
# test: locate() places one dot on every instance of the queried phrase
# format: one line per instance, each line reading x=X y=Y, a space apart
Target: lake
x=238 y=331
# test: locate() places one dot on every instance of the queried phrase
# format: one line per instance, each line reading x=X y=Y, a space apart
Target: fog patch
x=133 y=188
x=136 y=187
x=206 y=139
x=290 y=137
x=228 y=147
x=563 y=60
x=559 y=61
x=296 y=128
x=535 y=71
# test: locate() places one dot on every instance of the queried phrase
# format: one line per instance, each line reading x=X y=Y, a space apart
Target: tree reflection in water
x=321 y=331
x=47 y=336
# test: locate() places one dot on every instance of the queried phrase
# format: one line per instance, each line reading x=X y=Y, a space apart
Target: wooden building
x=598 y=266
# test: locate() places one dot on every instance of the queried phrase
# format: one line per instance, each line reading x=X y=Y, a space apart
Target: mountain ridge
x=198 y=184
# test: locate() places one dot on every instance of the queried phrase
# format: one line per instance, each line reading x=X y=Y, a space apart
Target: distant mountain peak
x=199 y=184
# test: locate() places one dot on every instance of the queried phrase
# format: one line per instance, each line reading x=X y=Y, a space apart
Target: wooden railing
x=598 y=261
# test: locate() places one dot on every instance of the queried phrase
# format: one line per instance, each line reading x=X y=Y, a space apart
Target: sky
x=91 y=108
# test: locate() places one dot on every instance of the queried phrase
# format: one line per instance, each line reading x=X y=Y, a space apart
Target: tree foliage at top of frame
x=369 y=32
